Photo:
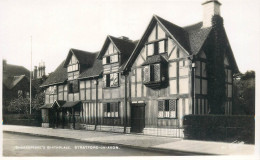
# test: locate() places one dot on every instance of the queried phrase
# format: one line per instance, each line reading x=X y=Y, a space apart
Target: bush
x=219 y=128
x=22 y=119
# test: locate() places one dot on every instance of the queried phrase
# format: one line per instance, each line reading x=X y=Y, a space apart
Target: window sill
x=110 y=63
x=110 y=87
x=166 y=118
x=156 y=84
x=112 y=117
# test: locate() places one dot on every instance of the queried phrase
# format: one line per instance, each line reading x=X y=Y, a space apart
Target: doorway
x=137 y=117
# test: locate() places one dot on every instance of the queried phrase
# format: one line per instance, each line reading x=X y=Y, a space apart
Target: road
x=27 y=145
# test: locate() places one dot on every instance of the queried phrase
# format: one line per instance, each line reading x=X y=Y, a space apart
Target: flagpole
x=31 y=81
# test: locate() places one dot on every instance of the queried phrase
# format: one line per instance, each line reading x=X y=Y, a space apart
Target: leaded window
x=111 y=80
x=167 y=108
x=73 y=86
x=152 y=73
x=147 y=73
x=111 y=109
x=157 y=47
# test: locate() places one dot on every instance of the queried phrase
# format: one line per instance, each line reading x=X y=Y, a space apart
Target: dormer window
x=73 y=64
x=73 y=74
x=110 y=59
x=111 y=55
x=156 y=47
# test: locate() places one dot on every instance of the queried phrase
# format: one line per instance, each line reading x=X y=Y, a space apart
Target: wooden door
x=137 y=117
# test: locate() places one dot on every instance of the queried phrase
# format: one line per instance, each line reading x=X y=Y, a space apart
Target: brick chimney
x=35 y=72
x=4 y=65
x=210 y=9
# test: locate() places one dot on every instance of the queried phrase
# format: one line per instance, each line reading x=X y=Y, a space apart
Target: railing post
x=96 y=122
x=125 y=105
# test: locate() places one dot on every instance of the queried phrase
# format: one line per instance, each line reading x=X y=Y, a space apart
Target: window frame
x=166 y=114
x=156 y=46
x=107 y=81
x=106 y=60
x=111 y=108
x=152 y=73
x=71 y=86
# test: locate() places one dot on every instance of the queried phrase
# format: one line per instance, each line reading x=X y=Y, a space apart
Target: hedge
x=22 y=119
x=220 y=128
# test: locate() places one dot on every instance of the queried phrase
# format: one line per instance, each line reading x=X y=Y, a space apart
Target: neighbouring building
x=39 y=71
x=16 y=82
x=145 y=86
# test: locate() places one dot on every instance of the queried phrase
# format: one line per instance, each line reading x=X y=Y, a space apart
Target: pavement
x=163 y=144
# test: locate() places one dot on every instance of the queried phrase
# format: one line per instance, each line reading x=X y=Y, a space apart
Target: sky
x=58 y=25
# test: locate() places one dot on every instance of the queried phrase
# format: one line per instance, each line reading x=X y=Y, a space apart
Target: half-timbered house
x=145 y=86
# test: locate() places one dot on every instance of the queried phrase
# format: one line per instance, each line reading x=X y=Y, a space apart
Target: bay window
x=152 y=73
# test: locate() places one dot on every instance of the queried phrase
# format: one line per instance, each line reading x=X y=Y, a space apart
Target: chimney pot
x=210 y=9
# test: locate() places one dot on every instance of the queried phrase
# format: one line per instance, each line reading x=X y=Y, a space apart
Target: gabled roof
x=178 y=34
x=15 y=70
x=190 y=38
x=11 y=82
x=125 y=47
x=93 y=71
x=85 y=58
x=175 y=31
x=58 y=76
x=197 y=36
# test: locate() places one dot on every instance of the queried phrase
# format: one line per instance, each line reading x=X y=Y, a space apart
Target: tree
x=244 y=93
x=21 y=105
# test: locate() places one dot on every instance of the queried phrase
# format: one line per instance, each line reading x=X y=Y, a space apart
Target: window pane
x=110 y=49
x=139 y=74
x=146 y=71
x=113 y=58
x=150 y=49
x=160 y=108
x=87 y=84
x=65 y=96
x=61 y=96
x=47 y=99
x=157 y=72
x=108 y=59
x=166 y=114
x=114 y=80
x=82 y=84
x=104 y=80
x=104 y=60
x=61 y=88
x=204 y=71
x=75 y=86
x=87 y=94
x=172 y=69
x=82 y=94
x=76 y=75
x=161 y=46
x=108 y=80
